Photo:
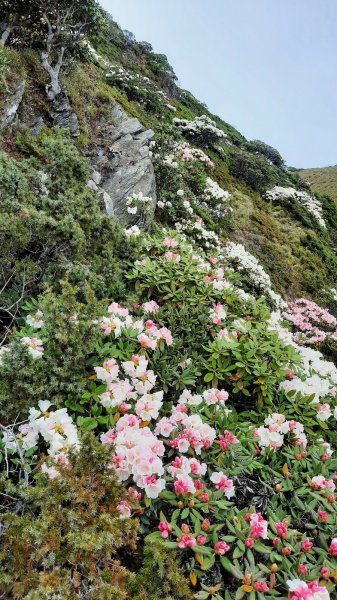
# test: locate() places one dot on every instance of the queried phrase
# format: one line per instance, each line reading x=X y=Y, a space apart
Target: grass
x=323 y=181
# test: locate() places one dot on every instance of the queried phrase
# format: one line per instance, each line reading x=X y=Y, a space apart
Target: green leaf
x=230 y=568
x=208 y=377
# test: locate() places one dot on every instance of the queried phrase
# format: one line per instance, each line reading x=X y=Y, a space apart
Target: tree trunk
x=53 y=88
x=6 y=33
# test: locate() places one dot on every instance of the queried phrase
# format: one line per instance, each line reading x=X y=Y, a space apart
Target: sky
x=268 y=67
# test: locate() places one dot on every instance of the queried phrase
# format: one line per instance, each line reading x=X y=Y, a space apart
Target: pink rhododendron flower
x=187 y=541
x=300 y=590
x=320 y=483
x=302 y=569
x=35 y=346
x=333 y=547
x=108 y=372
x=306 y=545
x=184 y=485
x=226 y=440
x=165 y=529
x=215 y=396
x=323 y=412
x=218 y=313
x=281 y=529
x=125 y=509
x=258 y=525
x=166 y=335
x=261 y=586
x=222 y=482
x=201 y=540
x=150 y=307
x=221 y=548
x=172 y=257
x=170 y=242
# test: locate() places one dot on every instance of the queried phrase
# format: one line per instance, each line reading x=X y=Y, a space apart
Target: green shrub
x=66 y=541
x=273 y=155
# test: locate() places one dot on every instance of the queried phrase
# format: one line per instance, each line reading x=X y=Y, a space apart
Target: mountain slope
x=168 y=396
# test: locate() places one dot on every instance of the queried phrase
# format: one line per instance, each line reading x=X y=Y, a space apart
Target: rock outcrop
x=9 y=113
x=63 y=115
x=122 y=165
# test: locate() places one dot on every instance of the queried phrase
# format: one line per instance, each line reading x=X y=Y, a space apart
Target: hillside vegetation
x=322 y=181
x=168 y=379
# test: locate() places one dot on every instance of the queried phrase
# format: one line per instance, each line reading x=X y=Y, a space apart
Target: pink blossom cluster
x=134 y=390
x=216 y=277
x=300 y=590
x=188 y=431
x=258 y=526
x=319 y=482
x=222 y=482
x=185 y=152
x=172 y=256
x=276 y=427
x=227 y=440
x=150 y=307
x=149 y=335
x=314 y=324
x=218 y=313
x=170 y=242
x=138 y=453
x=333 y=547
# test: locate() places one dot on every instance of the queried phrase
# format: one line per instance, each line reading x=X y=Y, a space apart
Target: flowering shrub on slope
x=202 y=130
x=313 y=323
x=213 y=429
x=310 y=203
x=186 y=457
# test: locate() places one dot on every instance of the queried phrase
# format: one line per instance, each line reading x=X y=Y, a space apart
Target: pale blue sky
x=268 y=67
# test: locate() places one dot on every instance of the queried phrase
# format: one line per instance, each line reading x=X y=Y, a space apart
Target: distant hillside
x=322 y=181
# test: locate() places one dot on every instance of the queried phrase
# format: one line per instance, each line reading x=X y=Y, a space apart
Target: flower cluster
x=202 y=130
x=215 y=199
x=300 y=590
x=119 y=319
x=249 y=263
x=276 y=427
x=310 y=203
x=36 y=321
x=56 y=427
x=217 y=313
x=187 y=153
x=140 y=87
x=132 y=231
x=314 y=324
x=138 y=202
x=258 y=526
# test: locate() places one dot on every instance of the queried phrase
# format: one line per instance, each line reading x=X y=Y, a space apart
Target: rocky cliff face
x=122 y=165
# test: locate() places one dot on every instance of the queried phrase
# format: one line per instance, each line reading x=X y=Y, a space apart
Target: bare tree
x=52 y=26
x=66 y=24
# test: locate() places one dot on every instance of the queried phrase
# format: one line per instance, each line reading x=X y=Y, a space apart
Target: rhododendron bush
x=220 y=461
